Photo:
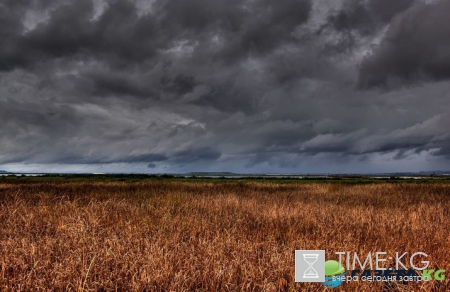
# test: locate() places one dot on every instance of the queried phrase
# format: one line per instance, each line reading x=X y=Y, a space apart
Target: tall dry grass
x=176 y=236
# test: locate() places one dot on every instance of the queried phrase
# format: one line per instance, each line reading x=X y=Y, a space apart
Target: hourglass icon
x=310 y=272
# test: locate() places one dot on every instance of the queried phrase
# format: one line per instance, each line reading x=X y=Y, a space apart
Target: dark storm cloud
x=118 y=36
x=121 y=36
x=246 y=26
x=365 y=16
x=360 y=19
x=213 y=84
x=196 y=155
x=416 y=46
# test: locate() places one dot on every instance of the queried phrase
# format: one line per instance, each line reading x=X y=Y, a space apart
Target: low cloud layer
x=245 y=86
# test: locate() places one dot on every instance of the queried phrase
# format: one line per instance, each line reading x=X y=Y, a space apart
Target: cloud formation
x=416 y=47
x=249 y=86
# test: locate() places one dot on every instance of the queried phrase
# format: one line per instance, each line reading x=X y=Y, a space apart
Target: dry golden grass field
x=209 y=236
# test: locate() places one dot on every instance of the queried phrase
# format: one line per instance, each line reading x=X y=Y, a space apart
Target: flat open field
x=205 y=236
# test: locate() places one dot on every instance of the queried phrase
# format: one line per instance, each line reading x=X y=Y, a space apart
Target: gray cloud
x=223 y=85
x=414 y=48
x=366 y=16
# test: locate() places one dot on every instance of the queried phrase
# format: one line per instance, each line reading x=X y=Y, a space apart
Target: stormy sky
x=292 y=86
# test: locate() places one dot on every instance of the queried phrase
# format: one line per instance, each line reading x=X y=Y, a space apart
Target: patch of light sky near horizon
x=375 y=163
